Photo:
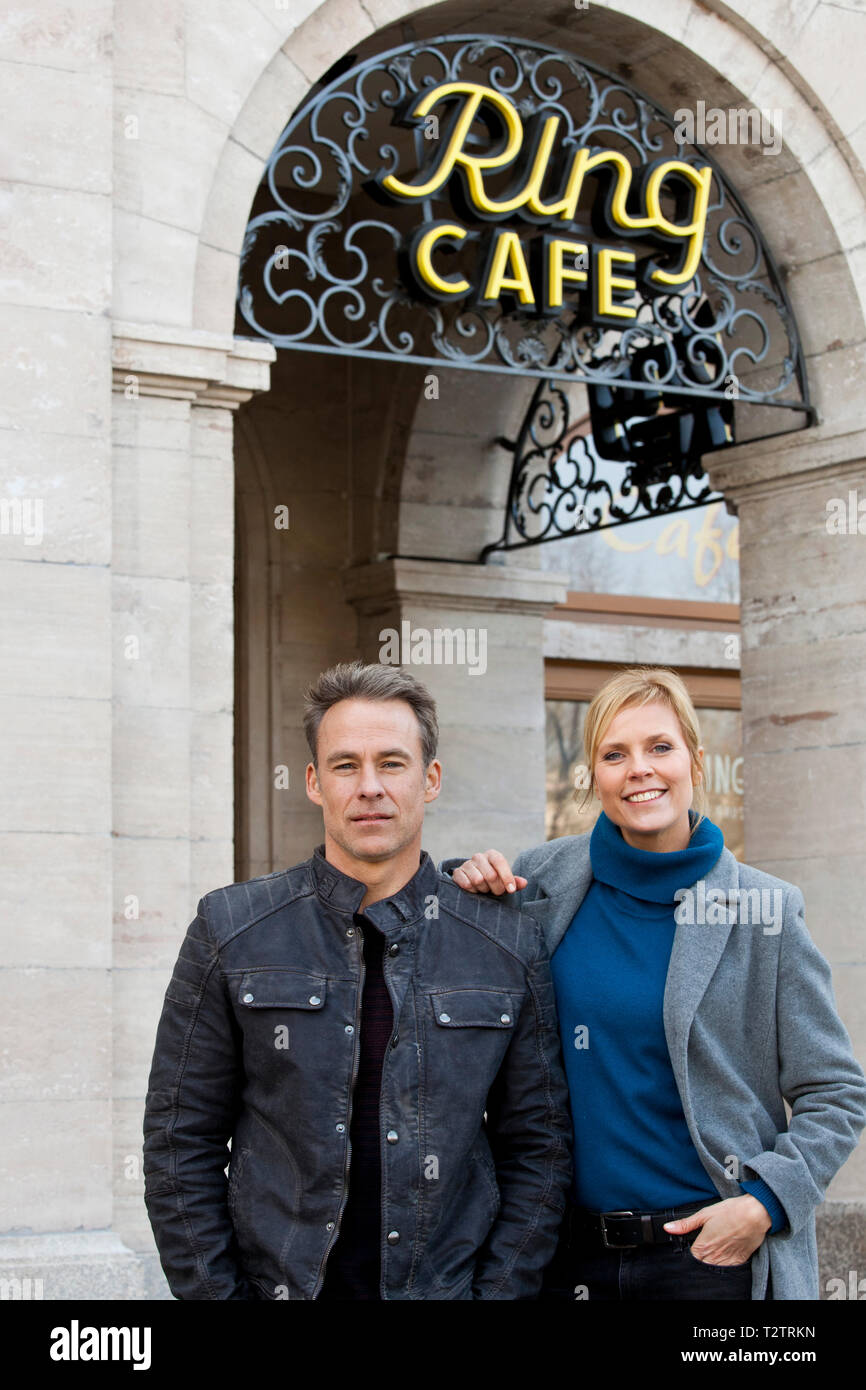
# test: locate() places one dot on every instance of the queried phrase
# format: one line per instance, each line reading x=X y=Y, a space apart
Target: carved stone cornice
x=787 y=461
x=376 y=587
x=189 y=364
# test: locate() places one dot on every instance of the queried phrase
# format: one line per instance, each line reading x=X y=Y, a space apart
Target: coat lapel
x=697 y=947
x=696 y=951
x=567 y=884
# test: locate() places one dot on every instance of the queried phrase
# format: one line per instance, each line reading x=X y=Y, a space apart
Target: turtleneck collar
x=649 y=875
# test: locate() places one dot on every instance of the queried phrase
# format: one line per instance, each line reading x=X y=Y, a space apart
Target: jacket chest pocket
x=281 y=989
x=277 y=1008
x=468 y=1034
x=475 y=1008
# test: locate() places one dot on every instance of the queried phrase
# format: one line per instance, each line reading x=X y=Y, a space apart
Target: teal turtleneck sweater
x=632 y=1147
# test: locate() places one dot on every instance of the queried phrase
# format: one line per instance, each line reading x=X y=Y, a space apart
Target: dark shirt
x=354 y=1264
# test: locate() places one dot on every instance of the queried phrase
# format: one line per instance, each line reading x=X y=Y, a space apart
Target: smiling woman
x=684 y=1035
x=646 y=760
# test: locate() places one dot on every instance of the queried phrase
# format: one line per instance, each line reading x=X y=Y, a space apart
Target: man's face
x=371 y=783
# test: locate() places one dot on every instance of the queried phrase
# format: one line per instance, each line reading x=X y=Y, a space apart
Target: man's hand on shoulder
x=488 y=872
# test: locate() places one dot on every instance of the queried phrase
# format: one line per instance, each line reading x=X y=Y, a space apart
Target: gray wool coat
x=751 y=1022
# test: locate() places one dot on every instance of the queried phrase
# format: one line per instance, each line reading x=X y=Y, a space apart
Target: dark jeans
x=654 y=1271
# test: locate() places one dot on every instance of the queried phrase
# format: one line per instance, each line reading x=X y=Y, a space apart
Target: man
x=380 y=1048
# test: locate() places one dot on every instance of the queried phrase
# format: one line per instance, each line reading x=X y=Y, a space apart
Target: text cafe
x=663 y=203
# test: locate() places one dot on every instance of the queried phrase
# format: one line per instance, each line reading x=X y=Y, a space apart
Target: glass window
x=687 y=555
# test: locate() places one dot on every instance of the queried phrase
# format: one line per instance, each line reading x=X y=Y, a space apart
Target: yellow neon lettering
x=423 y=259
x=508 y=254
x=455 y=154
x=583 y=164
x=531 y=190
x=557 y=272
x=701 y=180
x=608 y=282
x=531 y=194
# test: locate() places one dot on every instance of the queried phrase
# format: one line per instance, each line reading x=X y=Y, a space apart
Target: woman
x=692 y=1003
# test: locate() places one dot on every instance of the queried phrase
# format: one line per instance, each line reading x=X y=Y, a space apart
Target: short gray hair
x=352 y=680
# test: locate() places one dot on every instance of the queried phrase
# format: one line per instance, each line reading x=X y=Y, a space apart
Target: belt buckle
x=626 y=1245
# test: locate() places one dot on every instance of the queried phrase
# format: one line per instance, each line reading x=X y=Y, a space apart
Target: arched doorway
x=413 y=408
x=404 y=484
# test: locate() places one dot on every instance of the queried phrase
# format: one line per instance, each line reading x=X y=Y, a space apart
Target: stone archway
x=604 y=35
x=805 y=205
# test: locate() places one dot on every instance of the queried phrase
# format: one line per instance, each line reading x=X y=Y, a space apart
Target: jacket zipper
x=356 y=1061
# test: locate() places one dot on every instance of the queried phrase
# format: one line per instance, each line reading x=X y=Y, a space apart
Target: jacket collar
x=346 y=894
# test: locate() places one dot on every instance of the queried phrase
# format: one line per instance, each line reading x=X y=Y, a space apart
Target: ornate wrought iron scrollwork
x=319 y=266
x=561 y=487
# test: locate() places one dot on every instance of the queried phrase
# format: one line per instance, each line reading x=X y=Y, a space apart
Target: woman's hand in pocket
x=730 y=1230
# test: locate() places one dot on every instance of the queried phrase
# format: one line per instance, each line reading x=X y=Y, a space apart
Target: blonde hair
x=629 y=689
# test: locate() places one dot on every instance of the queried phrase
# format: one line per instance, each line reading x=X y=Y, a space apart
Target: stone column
x=55 y=675
x=492 y=718
x=803 y=597
x=172 y=775
x=162 y=684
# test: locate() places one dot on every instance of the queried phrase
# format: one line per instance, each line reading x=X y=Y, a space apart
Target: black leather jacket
x=259 y=1042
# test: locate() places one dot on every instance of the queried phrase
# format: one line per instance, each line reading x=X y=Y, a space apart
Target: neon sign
x=494 y=204
x=538 y=278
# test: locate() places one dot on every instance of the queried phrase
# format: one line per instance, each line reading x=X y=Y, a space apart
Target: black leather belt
x=618 y=1230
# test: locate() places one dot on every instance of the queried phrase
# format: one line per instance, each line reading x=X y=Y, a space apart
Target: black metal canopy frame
x=323 y=271
x=559 y=484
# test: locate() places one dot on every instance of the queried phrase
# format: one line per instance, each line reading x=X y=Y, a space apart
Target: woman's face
x=643 y=776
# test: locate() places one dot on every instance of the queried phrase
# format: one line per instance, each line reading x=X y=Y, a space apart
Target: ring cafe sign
x=558 y=264
x=541 y=218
